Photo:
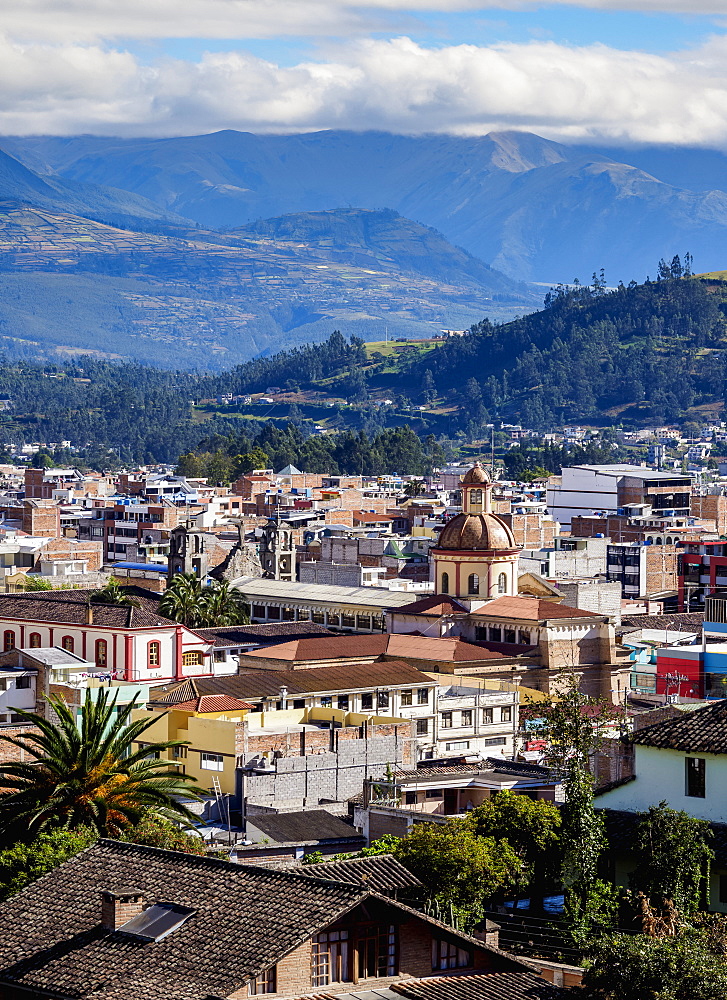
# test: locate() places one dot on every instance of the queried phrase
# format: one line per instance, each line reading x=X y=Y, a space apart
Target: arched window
x=668 y=540
x=8 y=640
x=101 y=652
x=475 y=496
x=657 y=540
x=67 y=643
x=445 y=583
x=501 y=583
x=35 y=640
x=473 y=584
x=153 y=654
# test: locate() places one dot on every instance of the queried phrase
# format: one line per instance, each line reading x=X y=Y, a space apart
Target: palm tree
x=182 y=601
x=223 y=605
x=87 y=773
x=185 y=600
x=113 y=593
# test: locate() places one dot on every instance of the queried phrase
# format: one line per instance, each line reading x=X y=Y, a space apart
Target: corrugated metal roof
x=281 y=590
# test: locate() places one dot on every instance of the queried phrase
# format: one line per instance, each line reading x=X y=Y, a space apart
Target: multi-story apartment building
x=585 y=489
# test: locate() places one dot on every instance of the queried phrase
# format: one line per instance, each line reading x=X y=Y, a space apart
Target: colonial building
x=476 y=556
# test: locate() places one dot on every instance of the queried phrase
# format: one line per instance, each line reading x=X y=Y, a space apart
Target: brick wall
x=661 y=568
x=43 y=520
x=531 y=531
x=713 y=509
x=68 y=548
x=10 y=754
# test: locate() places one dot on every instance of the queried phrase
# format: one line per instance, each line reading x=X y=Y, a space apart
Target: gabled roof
x=702 y=731
x=70 y=607
x=531 y=609
x=328 y=647
x=239 y=635
x=434 y=606
x=257 y=684
x=213 y=703
x=246 y=918
x=380 y=872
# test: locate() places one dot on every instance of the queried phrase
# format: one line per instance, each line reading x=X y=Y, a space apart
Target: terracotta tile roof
x=329 y=647
x=214 y=703
x=433 y=606
x=245 y=919
x=381 y=872
x=703 y=730
x=51 y=937
x=678 y=622
x=71 y=608
x=426 y=648
x=257 y=684
x=531 y=609
x=481 y=986
x=239 y=635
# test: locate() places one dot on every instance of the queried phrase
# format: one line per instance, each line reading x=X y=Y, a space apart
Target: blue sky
x=646 y=71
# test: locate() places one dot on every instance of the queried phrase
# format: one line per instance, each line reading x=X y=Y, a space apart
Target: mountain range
x=535 y=209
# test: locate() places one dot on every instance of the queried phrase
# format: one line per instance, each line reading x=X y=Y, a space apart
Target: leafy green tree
x=673 y=857
x=154 y=830
x=33 y=582
x=85 y=772
x=636 y=967
x=22 y=863
x=415 y=488
x=244 y=463
x=530 y=827
x=460 y=870
x=190 y=465
x=575 y=727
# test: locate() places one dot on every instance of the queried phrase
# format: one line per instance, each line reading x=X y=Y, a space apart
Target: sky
x=598 y=71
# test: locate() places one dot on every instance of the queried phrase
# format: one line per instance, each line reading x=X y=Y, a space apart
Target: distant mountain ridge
x=533 y=208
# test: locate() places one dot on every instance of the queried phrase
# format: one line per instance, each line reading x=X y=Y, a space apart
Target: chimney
x=489 y=932
x=118 y=907
x=89 y=614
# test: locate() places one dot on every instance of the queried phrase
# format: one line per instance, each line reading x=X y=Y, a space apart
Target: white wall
x=660 y=775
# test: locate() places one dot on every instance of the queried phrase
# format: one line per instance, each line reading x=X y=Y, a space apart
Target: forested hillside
x=632 y=356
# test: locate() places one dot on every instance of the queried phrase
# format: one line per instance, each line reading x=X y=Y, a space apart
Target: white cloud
x=558 y=91
x=89 y=21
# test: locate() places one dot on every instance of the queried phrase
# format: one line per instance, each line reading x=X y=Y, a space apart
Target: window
x=473 y=584
x=510 y=635
x=487 y=716
x=302 y=614
x=422 y=696
x=695 y=777
x=348 y=620
x=523 y=638
x=343 y=702
x=193 y=658
x=446 y=720
x=446 y=955
x=22 y=682
x=475 y=496
x=330 y=958
x=495 y=634
x=363 y=622
x=367 y=702
x=410 y=799
x=288 y=614
x=467 y=717
x=35 y=640
x=299 y=703
x=266 y=982
x=382 y=699
x=212 y=762
x=506 y=714
x=274 y=614
x=433 y=793
x=326 y=701
x=422 y=727
x=496 y=741
x=220 y=656
x=67 y=643
x=445 y=583
x=501 y=583
x=179 y=753
x=153 y=657
x=376 y=948
x=318 y=617
x=8 y=640
x=458 y=746
x=406 y=698
x=101 y=652
x=258 y=611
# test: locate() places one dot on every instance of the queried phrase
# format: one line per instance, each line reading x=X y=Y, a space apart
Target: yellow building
x=475 y=557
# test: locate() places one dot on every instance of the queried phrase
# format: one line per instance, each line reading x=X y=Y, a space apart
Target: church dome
x=477 y=476
x=476 y=531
